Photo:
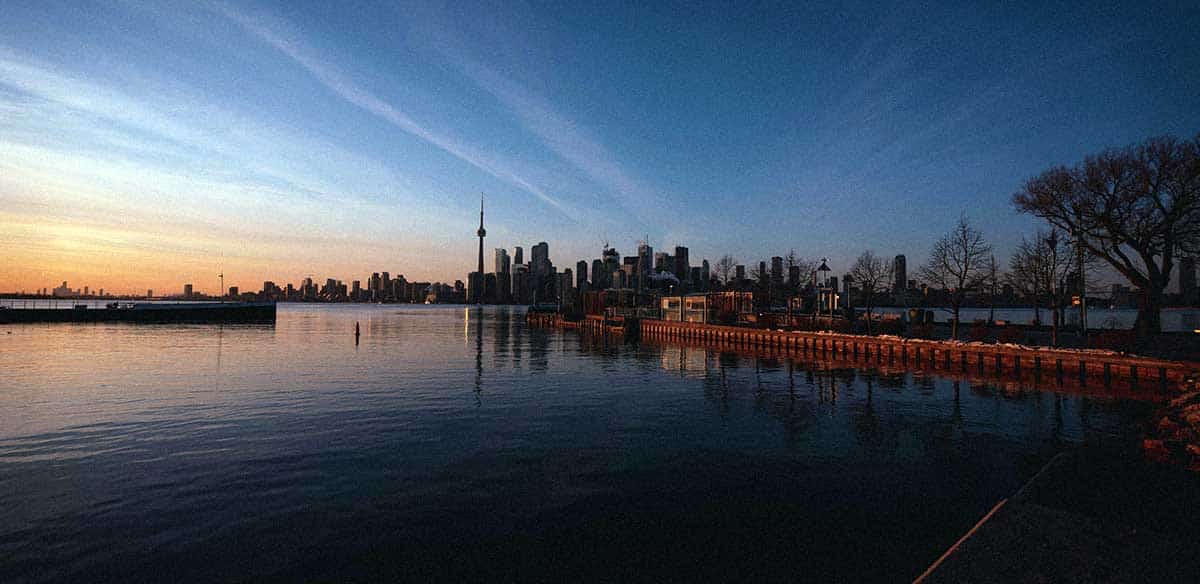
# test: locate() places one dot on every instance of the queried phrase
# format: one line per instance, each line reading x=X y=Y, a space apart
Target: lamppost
x=825 y=291
x=1052 y=241
x=1083 y=324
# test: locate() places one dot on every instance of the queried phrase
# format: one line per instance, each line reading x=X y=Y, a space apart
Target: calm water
x=1173 y=319
x=459 y=444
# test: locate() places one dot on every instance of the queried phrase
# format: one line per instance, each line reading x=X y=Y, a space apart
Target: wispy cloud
x=162 y=128
x=337 y=82
x=142 y=166
x=560 y=134
x=555 y=129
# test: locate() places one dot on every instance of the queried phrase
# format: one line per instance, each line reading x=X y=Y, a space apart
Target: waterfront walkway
x=1091 y=515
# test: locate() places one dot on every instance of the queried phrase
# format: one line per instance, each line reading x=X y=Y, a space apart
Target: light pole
x=1083 y=324
x=1052 y=241
x=824 y=269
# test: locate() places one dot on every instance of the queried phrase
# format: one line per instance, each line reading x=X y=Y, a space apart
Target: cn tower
x=481 y=232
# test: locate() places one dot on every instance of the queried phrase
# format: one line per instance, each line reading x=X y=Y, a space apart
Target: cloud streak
x=336 y=82
x=560 y=134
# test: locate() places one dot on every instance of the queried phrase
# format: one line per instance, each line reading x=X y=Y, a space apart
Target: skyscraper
x=539 y=259
x=646 y=258
x=682 y=268
x=611 y=258
x=521 y=285
x=599 y=281
x=900 y=271
x=504 y=287
x=374 y=286
x=663 y=262
x=519 y=255
x=581 y=273
x=502 y=261
x=777 y=270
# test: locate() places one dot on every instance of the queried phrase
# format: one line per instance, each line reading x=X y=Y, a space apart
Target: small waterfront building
x=688 y=308
x=731 y=307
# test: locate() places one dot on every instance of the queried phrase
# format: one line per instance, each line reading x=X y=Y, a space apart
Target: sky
x=149 y=144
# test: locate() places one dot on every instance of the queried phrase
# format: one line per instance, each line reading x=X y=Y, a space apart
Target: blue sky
x=148 y=144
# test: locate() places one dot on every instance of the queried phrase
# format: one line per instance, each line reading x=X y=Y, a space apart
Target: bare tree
x=761 y=276
x=873 y=275
x=957 y=263
x=1137 y=208
x=805 y=266
x=1023 y=273
x=1040 y=268
x=723 y=269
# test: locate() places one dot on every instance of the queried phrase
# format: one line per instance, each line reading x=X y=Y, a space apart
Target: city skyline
x=265 y=140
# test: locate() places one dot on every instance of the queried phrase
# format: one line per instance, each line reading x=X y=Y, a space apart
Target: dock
x=1035 y=366
x=146 y=312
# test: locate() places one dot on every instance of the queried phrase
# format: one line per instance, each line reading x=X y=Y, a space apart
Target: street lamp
x=824 y=269
x=1052 y=241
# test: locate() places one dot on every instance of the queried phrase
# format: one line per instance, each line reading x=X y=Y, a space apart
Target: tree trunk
x=954 y=325
x=1150 y=303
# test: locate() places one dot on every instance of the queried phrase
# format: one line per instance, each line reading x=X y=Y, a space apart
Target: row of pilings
x=1035 y=364
x=590 y=323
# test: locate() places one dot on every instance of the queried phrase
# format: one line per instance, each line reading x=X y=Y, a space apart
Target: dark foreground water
x=459 y=444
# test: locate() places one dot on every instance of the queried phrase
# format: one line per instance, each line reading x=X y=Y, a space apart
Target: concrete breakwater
x=195 y=312
x=1061 y=365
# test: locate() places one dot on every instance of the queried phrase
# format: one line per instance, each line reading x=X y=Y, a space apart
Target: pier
x=1018 y=361
x=1035 y=366
x=144 y=312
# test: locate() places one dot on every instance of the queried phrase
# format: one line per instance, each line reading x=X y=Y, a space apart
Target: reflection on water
x=458 y=443
x=1099 y=317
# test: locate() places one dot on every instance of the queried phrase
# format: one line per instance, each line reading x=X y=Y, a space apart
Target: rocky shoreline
x=1175 y=438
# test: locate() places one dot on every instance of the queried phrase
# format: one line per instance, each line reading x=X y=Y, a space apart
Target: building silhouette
x=581 y=274
x=475 y=280
x=900 y=274
x=502 y=261
x=682 y=268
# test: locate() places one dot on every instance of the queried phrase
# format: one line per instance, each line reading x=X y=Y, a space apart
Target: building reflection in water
x=479 y=359
x=806 y=395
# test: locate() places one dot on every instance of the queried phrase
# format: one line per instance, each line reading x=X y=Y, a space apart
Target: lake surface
x=459 y=444
x=1173 y=319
